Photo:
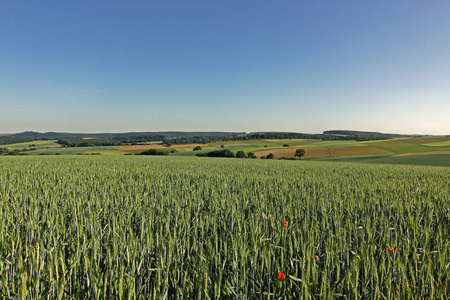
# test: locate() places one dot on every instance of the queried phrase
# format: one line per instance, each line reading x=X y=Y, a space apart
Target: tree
x=270 y=156
x=197 y=148
x=299 y=153
x=251 y=155
x=222 y=146
x=240 y=154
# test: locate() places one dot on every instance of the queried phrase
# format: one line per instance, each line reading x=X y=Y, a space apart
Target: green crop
x=195 y=228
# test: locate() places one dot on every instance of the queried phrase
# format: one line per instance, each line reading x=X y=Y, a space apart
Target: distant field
x=292 y=143
x=399 y=146
x=315 y=149
x=105 y=152
x=426 y=140
x=146 y=147
x=439 y=144
x=139 y=147
x=425 y=153
x=37 y=144
x=316 y=152
x=437 y=160
x=362 y=150
x=72 y=150
x=278 y=153
x=334 y=144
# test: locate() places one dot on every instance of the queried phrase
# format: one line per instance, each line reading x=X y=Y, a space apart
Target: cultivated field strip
x=196 y=228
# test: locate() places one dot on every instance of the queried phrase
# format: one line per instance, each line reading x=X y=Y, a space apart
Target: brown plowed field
x=289 y=152
x=317 y=152
x=349 y=151
x=279 y=153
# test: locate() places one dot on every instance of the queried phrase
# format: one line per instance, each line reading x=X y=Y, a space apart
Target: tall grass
x=189 y=228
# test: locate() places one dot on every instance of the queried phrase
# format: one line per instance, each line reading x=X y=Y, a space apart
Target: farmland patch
x=362 y=150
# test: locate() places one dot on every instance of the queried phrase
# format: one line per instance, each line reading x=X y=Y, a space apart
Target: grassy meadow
x=139 y=227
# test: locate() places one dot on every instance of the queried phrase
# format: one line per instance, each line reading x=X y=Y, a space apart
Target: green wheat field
x=136 y=227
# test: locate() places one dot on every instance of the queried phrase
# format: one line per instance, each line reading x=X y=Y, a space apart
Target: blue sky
x=299 y=66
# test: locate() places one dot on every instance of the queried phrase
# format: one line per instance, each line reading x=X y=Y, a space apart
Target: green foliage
x=241 y=154
x=221 y=153
x=285 y=145
x=92 y=227
x=155 y=152
x=270 y=156
x=299 y=153
x=6 y=151
x=197 y=148
x=251 y=155
x=79 y=142
x=7 y=139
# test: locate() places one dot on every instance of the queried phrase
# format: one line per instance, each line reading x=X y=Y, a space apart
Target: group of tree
x=217 y=153
x=80 y=142
x=7 y=139
x=269 y=135
x=241 y=154
x=6 y=151
x=162 y=152
x=227 y=153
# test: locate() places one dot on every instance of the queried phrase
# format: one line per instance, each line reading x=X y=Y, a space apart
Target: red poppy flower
x=389 y=249
x=316 y=257
x=286 y=223
x=154 y=203
x=396 y=248
x=281 y=275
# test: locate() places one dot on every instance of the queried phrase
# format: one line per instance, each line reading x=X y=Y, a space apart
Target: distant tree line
x=133 y=138
x=227 y=153
x=7 y=139
x=270 y=135
x=167 y=134
x=114 y=141
x=138 y=139
x=79 y=142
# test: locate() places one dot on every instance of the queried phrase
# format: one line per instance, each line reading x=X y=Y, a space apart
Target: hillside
x=369 y=133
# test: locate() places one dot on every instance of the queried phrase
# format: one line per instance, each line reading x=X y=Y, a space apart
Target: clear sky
x=299 y=66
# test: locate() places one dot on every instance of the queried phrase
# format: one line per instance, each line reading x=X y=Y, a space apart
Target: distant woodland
x=178 y=137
